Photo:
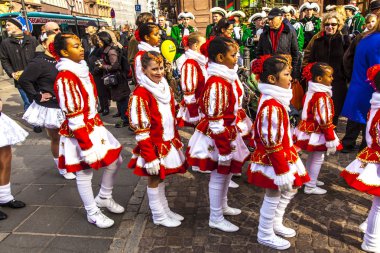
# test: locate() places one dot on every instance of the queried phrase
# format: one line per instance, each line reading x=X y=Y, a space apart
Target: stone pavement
x=54 y=220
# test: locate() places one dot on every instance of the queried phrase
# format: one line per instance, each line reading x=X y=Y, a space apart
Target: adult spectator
x=165 y=29
x=52 y=27
x=278 y=38
x=142 y=18
x=342 y=12
x=355 y=21
x=217 y=14
x=112 y=66
x=91 y=29
x=49 y=28
x=125 y=36
x=329 y=46
x=15 y=53
x=355 y=124
x=311 y=23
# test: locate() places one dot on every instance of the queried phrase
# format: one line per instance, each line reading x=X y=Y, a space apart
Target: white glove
x=153 y=168
x=225 y=160
x=90 y=156
x=285 y=181
x=331 y=148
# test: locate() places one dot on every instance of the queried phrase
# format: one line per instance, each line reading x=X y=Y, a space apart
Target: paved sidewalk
x=54 y=219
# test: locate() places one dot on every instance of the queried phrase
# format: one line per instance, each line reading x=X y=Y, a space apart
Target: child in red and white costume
x=85 y=143
x=159 y=148
x=275 y=164
x=315 y=132
x=217 y=145
x=148 y=36
x=193 y=79
x=363 y=174
x=243 y=122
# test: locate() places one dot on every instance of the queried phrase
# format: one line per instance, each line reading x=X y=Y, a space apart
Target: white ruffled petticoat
x=38 y=115
x=10 y=132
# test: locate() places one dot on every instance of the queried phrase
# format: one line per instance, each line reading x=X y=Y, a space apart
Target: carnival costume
x=311 y=25
x=179 y=31
x=143 y=47
x=210 y=27
x=355 y=23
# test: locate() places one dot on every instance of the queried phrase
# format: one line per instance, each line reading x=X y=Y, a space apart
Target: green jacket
x=300 y=33
x=245 y=33
x=311 y=26
x=177 y=34
x=356 y=25
x=209 y=30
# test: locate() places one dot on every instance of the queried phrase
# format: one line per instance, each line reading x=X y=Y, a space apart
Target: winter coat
x=15 y=56
x=96 y=72
x=330 y=49
x=288 y=44
x=111 y=57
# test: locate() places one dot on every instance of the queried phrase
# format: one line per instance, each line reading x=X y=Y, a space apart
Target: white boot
x=371 y=242
x=100 y=220
x=158 y=213
x=227 y=210
x=63 y=172
x=165 y=204
x=278 y=226
x=266 y=235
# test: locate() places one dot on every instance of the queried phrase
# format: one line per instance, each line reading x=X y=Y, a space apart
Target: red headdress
x=306 y=72
x=371 y=75
x=257 y=65
x=53 y=52
x=137 y=35
x=205 y=46
x=185 y=41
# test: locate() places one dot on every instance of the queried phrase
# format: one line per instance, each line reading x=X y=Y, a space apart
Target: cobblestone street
x=54 y=219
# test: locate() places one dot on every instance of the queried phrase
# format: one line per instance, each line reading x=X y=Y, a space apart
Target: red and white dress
x=243 y=122
x=217 y=137
x=152 y=116
x=315 y=132
x=82 y=132
x=193 y=79
x=143 y=47
x=275 y=159
x=363 y=173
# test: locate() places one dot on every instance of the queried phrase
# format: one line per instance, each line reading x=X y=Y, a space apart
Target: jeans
x=122 y=107
x=25 y=98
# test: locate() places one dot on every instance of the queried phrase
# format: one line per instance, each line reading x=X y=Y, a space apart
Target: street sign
x=112 y=13
x=138 y=7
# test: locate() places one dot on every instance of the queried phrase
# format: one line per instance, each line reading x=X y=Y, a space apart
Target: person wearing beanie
x=13 y=63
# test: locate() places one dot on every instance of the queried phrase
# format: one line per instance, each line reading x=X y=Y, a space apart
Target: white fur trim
x=287 y=178
x=152 y=164
x=224 y=158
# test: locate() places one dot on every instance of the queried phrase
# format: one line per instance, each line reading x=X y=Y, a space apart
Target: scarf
x=160 y=91
x=215 y=69
x=143 y=46
x=275 y=37
x=200 y=58
x=375 y=100
x=79 y=69
x=318 y=87
x=280 y=94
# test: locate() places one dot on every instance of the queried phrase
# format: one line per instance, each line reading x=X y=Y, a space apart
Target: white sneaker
x=320 y=183
x=363 y=226
x=168 y=222
x=231 y=211
x=100 y=220
x=367 y=248
x=233 y=184
x=314 y=190
x=195 y=168
x=175 y=216
x=280 y=229
x=69 y=176
x=110 y=204
x=223 y=225
x=275 y=242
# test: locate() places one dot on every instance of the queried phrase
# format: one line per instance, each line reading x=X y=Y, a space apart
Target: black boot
x=3 y=216
x=13 y=204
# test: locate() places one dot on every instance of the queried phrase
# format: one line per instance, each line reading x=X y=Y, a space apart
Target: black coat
x=288 y=44
x=330 y=49
x=112 y=57
x=15 y=56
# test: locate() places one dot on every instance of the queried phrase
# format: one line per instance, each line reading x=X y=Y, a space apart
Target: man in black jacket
x=278 y=38
x=15 y=53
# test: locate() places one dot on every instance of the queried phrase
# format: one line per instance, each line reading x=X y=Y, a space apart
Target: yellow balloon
x=168 y=50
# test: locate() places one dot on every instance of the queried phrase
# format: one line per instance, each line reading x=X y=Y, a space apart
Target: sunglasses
x=331 y=24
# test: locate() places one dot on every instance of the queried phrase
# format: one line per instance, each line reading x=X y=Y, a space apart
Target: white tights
x=313 y=166
x=84 y=184
x=218 y=189
x=372 y=235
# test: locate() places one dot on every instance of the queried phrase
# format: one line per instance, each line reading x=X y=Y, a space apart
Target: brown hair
x=144 y=18
x=149 y=56
x=194 y=38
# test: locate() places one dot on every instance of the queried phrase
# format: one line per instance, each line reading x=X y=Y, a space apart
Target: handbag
x=110 y=80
